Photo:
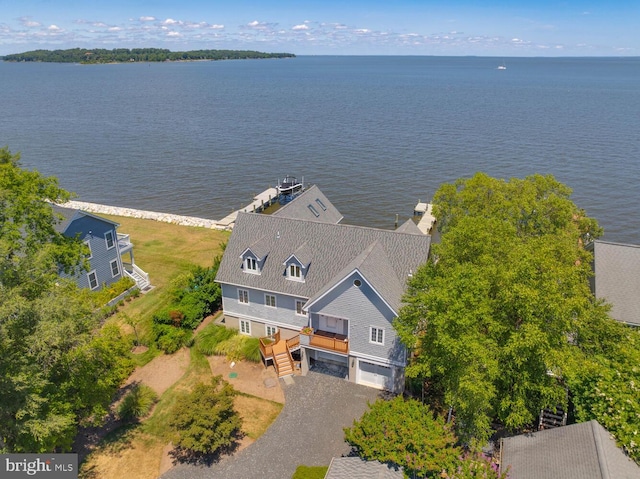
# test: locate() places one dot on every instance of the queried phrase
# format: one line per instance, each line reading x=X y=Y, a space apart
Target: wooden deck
x=260 y=202
x=279 y=351
x=329 y=341
x=427 y=220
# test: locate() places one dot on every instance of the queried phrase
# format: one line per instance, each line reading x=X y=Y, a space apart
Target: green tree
x=406 y=433
x=205 y=420
x=496 y=314
x=55 y=370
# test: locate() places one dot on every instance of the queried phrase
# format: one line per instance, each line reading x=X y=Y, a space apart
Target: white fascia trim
x=264 y=321
x=327 y=351
x=338 y=283
x=377 y=360
x=244 y=286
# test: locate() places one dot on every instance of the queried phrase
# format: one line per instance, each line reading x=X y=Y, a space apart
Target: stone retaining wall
x=148 y=215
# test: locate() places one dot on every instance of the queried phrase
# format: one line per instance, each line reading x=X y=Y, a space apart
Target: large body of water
x=374 y=133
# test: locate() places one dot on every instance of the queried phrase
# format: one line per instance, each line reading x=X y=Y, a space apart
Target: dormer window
x=251 y=265
x=294 y=271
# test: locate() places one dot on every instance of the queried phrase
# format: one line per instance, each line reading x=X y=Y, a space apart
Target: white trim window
x=88 y=243
x=243 y=296
x=270 y=330
x=115 y=268
x=92 y=278
x=108 y=238
x=245 y=327
x=295 y=272
x=270 y=301
x=377 y=335
x=251 y=265
x=299 y=307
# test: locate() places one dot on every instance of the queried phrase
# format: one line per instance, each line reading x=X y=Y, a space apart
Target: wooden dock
x=259 y=203
x=427 y=220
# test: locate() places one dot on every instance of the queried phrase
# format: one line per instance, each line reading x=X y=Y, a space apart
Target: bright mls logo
x=51 y=466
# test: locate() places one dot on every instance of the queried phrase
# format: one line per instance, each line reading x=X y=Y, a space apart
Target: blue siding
x=363 y=308
x=90 y=229
x=284 y=313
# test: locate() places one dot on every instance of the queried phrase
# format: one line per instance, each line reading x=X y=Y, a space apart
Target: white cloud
x=54 y=28
x=170 y=21
x=216 y=27
x=147 y=19
x=114 y=29
x=27 y=22
x=173 y=34
x=300 y=27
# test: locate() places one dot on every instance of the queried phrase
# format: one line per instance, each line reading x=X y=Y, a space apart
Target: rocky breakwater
x=148 y=215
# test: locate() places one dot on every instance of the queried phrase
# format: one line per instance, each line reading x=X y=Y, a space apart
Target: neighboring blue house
x=280 y=274
x=106 y=249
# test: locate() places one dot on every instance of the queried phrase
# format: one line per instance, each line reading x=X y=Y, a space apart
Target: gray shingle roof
x=579 y=451
x=299 y=207
x=70 y=214
x=617 y=279
x=330 y=249
x=409 y=227
x=357 y=468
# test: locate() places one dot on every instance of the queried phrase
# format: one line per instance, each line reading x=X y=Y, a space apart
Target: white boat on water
x=502 y=66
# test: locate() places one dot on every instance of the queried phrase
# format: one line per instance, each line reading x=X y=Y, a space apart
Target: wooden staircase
x=282 y=359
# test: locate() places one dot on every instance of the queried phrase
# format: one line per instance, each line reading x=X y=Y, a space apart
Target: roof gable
x=69 y=215
x=311 y=205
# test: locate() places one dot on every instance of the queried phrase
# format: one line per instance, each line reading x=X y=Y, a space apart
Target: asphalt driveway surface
x=308 y=431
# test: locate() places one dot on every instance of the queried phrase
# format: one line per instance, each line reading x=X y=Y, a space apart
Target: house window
x=243 y=296
x=92 y=277
x=245 y=326
x=271 y=330
x=294 y=271
x=321 y=204
x=108 y=237
x=314 y=211
x=377 y=335
x=88 y=243
x=299 y=305
x=270 y=300
x=115 y=268
x=251 y=265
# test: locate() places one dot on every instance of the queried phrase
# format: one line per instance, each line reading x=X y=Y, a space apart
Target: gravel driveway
x=308 y=431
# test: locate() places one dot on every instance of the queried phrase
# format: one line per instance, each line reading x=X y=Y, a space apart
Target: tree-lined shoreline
x=125 y=55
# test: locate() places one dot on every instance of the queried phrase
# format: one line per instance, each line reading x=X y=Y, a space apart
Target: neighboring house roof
x=311 y=205
x=385 y=258
x=357 y=468
x=71 y=214
x=579 y=451
x=617 y=279
x=409 y=227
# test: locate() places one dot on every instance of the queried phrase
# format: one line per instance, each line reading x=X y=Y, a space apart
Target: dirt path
x=249 y=378
x=161 y=372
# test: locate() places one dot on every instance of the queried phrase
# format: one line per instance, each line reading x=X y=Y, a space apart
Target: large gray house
x=110 y=253
x=326 y=291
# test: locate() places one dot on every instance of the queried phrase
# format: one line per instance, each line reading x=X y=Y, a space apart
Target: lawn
x=165 y=251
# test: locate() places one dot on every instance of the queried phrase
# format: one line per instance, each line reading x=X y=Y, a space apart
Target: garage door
x=375 y=375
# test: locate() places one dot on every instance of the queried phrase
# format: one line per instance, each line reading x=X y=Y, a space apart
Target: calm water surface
x=375 y=133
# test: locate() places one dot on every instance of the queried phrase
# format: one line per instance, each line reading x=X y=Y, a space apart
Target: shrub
x=106 y=294
x=137 y=403
x=251 y=350
x=170 y=338
x=205 y=421
x=209 y=338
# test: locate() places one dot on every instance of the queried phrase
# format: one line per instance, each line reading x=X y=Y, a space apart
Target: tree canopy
x=503 y=305
x=122 y=55
x=56 y=369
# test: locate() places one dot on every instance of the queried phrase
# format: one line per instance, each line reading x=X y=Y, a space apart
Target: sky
x=328 y=27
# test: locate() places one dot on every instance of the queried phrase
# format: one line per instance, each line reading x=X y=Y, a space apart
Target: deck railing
x=337 y=344
x=293 y=343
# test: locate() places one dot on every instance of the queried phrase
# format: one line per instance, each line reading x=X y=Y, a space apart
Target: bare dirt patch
x=249 y=378
x=161 y=373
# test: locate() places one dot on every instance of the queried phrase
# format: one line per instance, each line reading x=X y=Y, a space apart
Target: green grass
x=310 y=472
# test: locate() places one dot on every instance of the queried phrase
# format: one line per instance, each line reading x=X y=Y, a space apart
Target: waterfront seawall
x=148 y=215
